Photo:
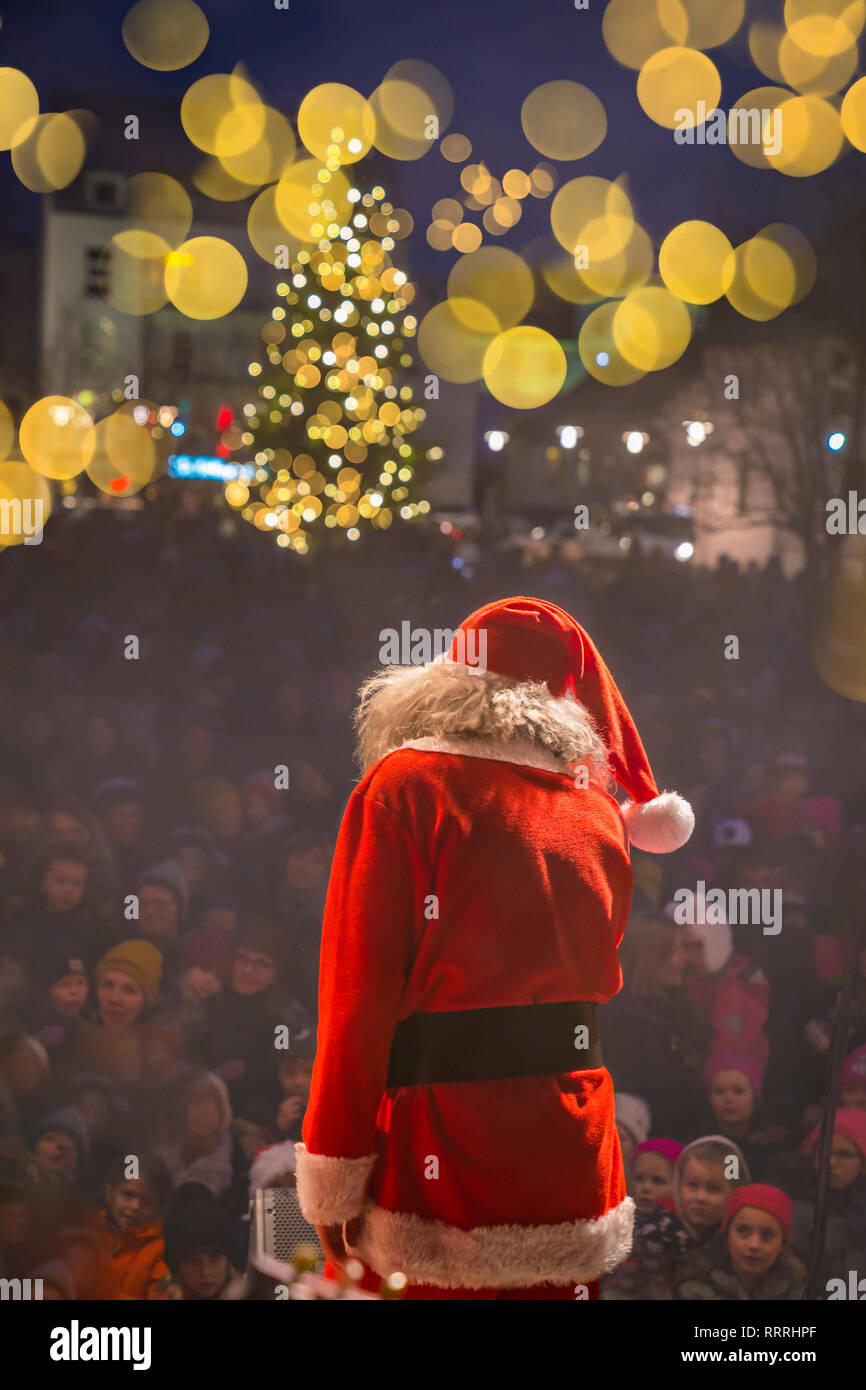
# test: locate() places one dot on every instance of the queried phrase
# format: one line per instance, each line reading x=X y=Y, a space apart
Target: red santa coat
x=467 y=881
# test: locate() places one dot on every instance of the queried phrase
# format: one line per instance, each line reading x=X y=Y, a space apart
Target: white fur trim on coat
x=331 y=1190
x=521 y=751
x=497 y=1257
x=660 y=825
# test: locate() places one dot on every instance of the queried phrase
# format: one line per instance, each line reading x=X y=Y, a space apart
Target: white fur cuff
x=331 y=1190
x=499 y=1257
x=661 y=825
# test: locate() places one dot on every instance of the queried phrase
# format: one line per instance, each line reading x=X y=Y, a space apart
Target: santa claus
x=461 y=1124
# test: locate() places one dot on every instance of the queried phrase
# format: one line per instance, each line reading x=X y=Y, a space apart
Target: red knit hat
x=528 y=639
x=723 y=1060
x=758 y=1194
x=849 y=1120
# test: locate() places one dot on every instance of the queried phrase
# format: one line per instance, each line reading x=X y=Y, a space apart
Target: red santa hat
x=528 y=639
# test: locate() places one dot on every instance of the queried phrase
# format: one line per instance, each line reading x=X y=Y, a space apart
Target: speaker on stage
x=278 y=1227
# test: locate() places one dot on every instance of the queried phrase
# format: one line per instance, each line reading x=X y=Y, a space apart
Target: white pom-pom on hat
x=660 y=825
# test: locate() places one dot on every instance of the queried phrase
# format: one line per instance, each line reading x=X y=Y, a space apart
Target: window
x=97 y=270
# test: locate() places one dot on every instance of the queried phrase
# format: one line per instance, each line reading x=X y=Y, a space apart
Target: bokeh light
x=853 y=114
x=495 y=277
x=592 y=203
x=563 y=120
x=308 y=198
x=763 y=281
x=818 y=72
x=57 y=437
x=165 y=34
x=675 y=81
x=213 y=179
x=410 y=93
x=27 y=498
x=19 y=104
x=206 y=277
x=652 y=328
x=265 y=229
x=812 y=137
x=223 y=114
x=135 y=261
x=755 y=125
x=623 y=271
x=798 y=251
x=524 y=367
x=455 y=148
x=695 y=262
x=453 y=337
x=709 y=22
x=158 y=204
x=124 y=457
x=636 y=29
x=599 y=353
x=268 y=157
x=48 y=152
x=334 y=115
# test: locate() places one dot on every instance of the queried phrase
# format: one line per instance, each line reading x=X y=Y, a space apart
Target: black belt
x=494 y=1044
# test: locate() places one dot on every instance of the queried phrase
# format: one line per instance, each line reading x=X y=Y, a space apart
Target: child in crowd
x=751 y=1257
x=200 y=1150
x=295 y=1072
x=845 y=1236
x=707 y=1171
x=55 y=911
x=659 y=1237
x=133 y=1229
x=61 y=1143
x=733 y=1082
x=58 y=1019
x=200 y=1248
x=653 y=1174
x=68 y=984
x=204 y=965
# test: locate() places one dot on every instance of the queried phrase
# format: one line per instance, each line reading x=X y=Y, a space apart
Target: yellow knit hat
x=138 y=959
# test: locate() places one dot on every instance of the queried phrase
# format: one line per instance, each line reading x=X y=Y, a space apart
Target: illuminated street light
x=569 y=435
x=836 y=441
x=496 y=440
x=697 y=431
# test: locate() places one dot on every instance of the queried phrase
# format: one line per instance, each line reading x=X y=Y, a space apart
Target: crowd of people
x=176 y=739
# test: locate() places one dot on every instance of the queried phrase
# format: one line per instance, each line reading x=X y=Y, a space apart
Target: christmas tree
x=329 y=433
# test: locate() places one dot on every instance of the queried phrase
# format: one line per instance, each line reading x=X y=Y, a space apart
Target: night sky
x=493 y=52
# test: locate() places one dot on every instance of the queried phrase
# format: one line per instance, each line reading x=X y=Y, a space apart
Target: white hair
x=398 y=704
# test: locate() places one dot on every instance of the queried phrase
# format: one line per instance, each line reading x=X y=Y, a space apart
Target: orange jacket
x=137 y=1258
